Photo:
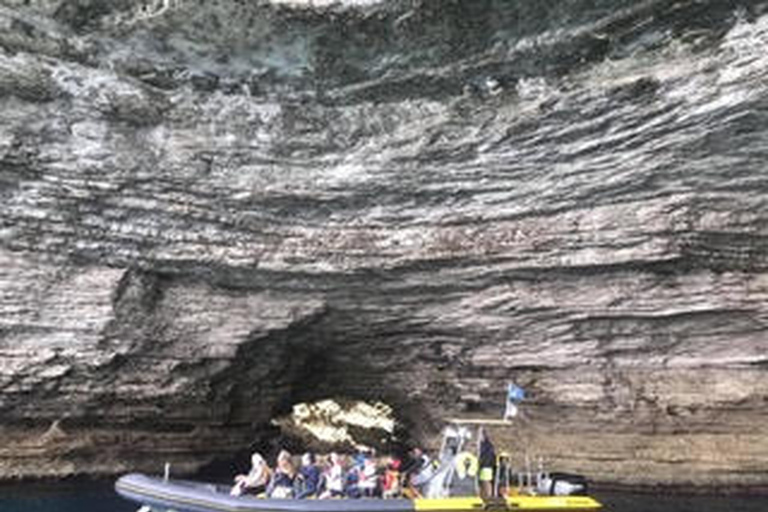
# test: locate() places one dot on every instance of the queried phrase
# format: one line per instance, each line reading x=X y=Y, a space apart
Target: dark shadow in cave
x=336 y=424
x=313 y=368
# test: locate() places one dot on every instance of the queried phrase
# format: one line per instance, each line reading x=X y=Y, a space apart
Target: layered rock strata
x=208 y=216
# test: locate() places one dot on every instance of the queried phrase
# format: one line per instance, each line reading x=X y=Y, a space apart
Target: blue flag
x=515 y=393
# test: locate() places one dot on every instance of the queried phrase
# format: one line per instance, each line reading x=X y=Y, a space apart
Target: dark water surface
x=100 y=497
x=63 y=497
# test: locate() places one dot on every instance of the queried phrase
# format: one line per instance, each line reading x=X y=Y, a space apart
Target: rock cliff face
x=212 y=212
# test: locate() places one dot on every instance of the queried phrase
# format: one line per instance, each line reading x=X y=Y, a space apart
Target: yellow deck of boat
x=541 y=503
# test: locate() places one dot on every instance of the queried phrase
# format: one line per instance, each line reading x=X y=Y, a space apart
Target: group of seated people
x=334 y=475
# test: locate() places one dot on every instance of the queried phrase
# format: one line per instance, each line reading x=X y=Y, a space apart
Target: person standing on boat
x=487 y=458
x=281 y=485
x=309 y=476
x=257 y=479
x=503 y=475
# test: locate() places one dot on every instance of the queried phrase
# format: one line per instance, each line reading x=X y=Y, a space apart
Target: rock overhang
x=182 y=258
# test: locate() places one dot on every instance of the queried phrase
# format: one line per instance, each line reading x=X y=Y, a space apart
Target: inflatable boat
x=157 y=494
x=450 y=483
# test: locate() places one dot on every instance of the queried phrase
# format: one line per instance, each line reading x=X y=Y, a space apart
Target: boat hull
x=184 y=496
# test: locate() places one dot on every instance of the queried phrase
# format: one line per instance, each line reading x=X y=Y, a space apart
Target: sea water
x=100 y=497
x=63 y=497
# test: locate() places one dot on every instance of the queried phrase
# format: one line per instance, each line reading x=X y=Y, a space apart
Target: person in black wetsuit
x=487 y=458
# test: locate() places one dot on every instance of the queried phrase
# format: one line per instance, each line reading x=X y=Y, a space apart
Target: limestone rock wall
x=207 y=215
